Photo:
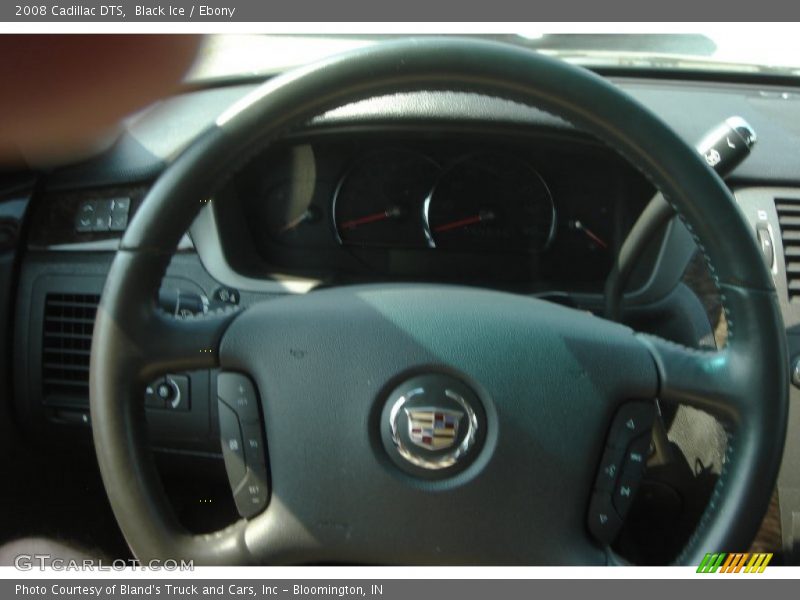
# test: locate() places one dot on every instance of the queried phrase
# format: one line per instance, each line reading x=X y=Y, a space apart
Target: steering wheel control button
x=604 y=522
x=431 y=425
x=631 y=421
x=621 y=469
x=232 y=445
x=251 y=495
x=237 y=391
x=636 y=456
x=610 y=468
x=254 y=447
x=242 y=438
x=626 y=490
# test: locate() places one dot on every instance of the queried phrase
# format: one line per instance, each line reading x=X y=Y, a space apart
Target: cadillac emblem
x=433 y=428
x=432 y=422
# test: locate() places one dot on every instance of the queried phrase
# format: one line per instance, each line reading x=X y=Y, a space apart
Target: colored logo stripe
x=735 y=562
x=758 y=563
x=710 y=563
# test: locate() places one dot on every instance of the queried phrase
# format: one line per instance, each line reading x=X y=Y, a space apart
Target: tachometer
x=379 y=202
x=493 y=203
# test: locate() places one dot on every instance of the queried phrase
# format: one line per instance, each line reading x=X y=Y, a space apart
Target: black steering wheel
x=542 y=382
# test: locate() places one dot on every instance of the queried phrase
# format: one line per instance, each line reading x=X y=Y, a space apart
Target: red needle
x=592 y=236
x=387 y=214
x=483 y=216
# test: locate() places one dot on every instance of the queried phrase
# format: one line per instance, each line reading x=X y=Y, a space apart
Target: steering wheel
x=539 y=385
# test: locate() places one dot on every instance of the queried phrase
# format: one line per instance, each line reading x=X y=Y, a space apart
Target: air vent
x=66 y=345
x=789 y=218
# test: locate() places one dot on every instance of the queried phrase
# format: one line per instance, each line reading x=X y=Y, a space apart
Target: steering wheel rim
x=745 y=383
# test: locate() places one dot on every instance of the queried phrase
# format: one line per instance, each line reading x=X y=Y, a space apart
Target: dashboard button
x=181 y=393
x=765 y=244
x=151 y=398
x=237 y=391
x=166 y=391
x=227 y=295
x=796 y=371
x=102 y=216
x=120 y=206
x=119 y=214
x=232 y=445
x=84 y=220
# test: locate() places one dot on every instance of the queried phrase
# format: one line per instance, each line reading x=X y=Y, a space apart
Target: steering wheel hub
x=431 y=425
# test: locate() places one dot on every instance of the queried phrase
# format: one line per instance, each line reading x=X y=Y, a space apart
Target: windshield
x=236 y=56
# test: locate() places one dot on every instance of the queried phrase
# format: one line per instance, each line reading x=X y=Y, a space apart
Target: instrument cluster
x=485 y=202
x=454 y=210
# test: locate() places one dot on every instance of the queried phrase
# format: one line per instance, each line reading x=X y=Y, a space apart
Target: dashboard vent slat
x=788 y=210
x=790 y=222
x=66 y=346
x=787 y=207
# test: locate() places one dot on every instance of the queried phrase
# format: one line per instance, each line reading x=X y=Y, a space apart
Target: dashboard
x=429 y=186
x=530 y=210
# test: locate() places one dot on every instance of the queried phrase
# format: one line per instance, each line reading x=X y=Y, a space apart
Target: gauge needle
x=389 y=213
x=296 y=221
x=580 y=226
x=484 y=215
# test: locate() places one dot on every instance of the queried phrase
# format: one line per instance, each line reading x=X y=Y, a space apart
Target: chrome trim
x=108 y=245
x=176 y=401
x=426 y=206
x=358 y=161
x=744 y=129
x=444 y=460
x=426 y=223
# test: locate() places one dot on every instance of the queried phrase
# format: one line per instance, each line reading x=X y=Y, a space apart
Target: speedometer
x=490 y=203
x=380 y=200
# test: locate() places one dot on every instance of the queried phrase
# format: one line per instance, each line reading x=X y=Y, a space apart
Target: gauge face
x=380 y=201
x=492 y=203
x=290 y=208
x=290 y=211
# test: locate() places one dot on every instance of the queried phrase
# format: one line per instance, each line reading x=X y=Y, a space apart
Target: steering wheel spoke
x=728 y=382
x=152 y=341
x=181 y=344
x=704 y=379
